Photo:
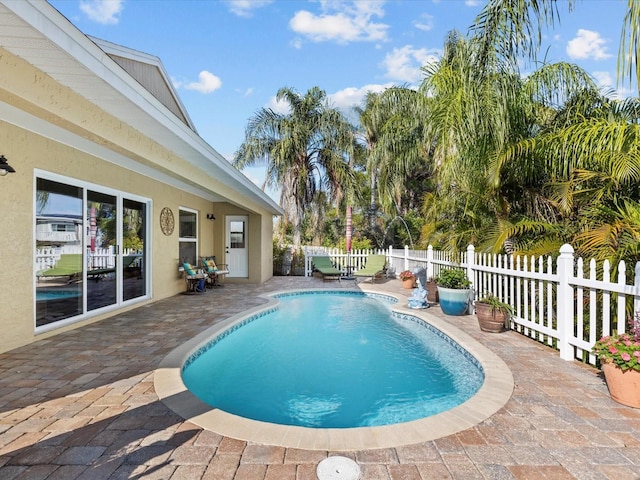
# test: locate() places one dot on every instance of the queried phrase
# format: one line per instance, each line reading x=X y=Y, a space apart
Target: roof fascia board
x=31 y=123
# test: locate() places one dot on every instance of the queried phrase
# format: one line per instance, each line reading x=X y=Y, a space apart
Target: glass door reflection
x=59 y=259
x=102 y=246
x=134 y=249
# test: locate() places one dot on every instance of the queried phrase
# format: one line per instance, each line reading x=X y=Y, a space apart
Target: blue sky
x=229 y=58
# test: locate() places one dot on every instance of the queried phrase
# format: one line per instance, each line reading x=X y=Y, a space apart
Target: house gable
x=149 y=72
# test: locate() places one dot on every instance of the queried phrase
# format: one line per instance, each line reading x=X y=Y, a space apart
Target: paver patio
x=82 y=405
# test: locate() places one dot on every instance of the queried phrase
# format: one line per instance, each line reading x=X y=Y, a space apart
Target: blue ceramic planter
x=454 y=301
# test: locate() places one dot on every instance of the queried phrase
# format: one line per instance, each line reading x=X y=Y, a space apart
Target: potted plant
x=408 y=279
x=493 y=314
x=454 y=291
x=619 y=357
x=432 y=290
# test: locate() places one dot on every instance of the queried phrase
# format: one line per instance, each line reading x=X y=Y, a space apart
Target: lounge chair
x=98 y=274
x=326 y=268
x=374 y=267
x=213 y=270
x=130 y=265
x=68 y=265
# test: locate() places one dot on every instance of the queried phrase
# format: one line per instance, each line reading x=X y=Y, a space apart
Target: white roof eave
x=46 y=39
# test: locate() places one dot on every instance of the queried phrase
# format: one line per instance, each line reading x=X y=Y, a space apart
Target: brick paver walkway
x=82 y=405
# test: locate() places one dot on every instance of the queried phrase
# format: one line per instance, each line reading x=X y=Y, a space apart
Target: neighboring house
x=106 y=159
x=55 y=231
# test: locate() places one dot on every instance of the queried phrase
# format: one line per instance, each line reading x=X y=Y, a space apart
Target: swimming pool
x=492 y=395
x=42 y=294
x=333 y=360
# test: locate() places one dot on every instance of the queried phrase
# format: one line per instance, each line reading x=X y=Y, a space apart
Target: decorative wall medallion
x=166 y=221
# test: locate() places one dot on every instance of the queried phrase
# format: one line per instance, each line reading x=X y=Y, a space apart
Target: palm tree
x=516 y=161
x=513 y=28
x=305 y=151
x=476 y=113
x=587 y=153
x=591 y=161
x=371 y=123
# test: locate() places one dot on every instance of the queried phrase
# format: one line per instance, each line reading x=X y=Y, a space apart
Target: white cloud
x=607 y=83
x=603 y=79
x=587 y=45
x=102 y=11
x=245 y=8
x=350 y=97
x=281 y=107
x=342 y=22
x=424 y=23
x=207 y=83
x=404 y=63
x=472 y=3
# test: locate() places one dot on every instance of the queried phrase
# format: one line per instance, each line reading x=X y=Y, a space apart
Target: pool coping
x=493 y=395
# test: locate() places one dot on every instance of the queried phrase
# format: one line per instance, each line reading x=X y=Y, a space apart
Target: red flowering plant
x=623 y=350
x=406 y=275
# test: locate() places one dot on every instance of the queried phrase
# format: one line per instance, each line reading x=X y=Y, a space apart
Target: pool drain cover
x=338 y=468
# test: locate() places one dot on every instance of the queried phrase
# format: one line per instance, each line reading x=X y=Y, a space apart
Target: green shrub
x=453 y=278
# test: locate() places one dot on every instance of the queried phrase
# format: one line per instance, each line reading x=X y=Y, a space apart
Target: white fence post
x=565 y=302
x=429 y=262
x=406 y=257
x=471 y=261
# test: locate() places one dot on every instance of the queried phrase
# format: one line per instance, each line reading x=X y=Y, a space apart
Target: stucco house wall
x=47 y=127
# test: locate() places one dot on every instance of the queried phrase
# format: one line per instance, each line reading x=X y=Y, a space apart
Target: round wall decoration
x=166 y=221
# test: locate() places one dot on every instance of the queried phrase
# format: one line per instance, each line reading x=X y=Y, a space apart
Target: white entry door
x=237 y=246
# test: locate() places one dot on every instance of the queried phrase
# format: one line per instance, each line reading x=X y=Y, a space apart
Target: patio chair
x=68 y=265
x=195 y=279
x=213 y=270
x=325 y=267
x=375 y=266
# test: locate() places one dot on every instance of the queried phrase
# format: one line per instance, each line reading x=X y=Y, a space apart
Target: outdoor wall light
x=5 y=167
x=211 y=216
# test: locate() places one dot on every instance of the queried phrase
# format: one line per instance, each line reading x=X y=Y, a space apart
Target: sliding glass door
x=91 y=249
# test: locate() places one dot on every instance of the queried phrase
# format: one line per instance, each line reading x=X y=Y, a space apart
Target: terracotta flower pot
x=624 y=387
x=408 y=283
x=432 y=292
x=490 y=320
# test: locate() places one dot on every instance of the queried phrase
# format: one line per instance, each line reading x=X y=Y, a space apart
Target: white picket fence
x=46 y=258
x=560 y=302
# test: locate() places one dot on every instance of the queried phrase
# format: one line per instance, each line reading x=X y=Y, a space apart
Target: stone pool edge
x=494 y=393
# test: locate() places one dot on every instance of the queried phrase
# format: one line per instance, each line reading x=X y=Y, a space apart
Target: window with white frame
x=188 y=226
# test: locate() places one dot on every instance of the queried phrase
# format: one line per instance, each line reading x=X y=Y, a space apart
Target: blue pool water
x=56 y=294
x=333 y=361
